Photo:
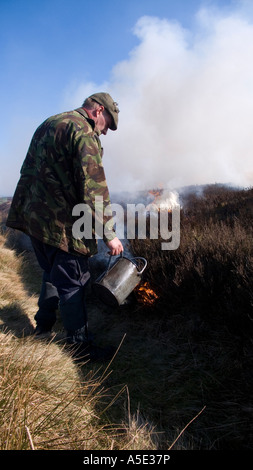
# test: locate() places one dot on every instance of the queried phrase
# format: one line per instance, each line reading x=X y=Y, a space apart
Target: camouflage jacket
x=63 y=167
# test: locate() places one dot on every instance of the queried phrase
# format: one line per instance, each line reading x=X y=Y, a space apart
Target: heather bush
x=211 y=272
x=203 y=316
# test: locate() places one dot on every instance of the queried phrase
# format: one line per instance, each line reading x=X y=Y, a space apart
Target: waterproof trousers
x=65 y=277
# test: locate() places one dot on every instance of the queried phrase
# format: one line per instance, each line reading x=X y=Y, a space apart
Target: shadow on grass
x=14 y=316
x=15 y=320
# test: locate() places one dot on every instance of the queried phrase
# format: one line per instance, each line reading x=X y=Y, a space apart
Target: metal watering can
x=117 y=282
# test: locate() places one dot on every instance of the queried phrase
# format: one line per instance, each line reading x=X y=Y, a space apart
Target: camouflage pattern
x=63 y=167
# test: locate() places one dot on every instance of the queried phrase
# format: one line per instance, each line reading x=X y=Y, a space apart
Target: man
x=63 y=167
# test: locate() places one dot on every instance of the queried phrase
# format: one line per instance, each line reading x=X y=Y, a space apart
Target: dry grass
x=39 y=393
x=17 y=304
x=47 y=401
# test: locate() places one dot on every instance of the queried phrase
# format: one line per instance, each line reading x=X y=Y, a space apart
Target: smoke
x=185 y=100
x=166 y=200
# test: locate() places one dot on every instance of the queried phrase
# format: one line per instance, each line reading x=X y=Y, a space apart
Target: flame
x=164 y=200
x=146 y=295
x=155 y=192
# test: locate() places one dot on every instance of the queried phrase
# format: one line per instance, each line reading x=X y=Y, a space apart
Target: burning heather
x=164 y=200
x=145 y=294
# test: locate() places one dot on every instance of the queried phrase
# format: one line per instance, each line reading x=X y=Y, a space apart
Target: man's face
x=103 y=121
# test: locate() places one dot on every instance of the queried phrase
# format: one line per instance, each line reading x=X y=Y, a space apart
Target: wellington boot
x=48 y=306
x=43 y=333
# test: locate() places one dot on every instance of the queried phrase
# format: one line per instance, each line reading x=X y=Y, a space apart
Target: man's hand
x=115 y=246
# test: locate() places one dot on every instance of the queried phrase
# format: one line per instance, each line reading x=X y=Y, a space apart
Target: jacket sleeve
x=91 y=183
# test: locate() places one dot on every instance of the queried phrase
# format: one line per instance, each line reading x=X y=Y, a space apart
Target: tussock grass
x=38 y=393
x=47 y=401
x=45 y=405
x=17 y=303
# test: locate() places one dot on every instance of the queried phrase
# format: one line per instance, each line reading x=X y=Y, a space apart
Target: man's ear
x=99 y=110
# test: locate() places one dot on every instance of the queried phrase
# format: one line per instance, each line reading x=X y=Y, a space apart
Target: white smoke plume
x=185 y=102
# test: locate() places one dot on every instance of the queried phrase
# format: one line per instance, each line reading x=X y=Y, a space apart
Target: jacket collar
x=85 y=114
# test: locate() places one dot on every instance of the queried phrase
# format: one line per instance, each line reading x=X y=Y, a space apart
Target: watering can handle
x=145 y=264
x=109 y=262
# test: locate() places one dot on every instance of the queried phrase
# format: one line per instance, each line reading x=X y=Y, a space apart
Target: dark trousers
x=64 y=279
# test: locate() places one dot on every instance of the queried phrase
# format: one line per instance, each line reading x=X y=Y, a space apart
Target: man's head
x=104 y=111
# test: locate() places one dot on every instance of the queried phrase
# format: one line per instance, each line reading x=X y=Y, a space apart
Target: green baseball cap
x=111 y=106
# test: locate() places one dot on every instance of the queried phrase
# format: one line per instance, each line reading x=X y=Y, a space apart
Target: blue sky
x=55 y=51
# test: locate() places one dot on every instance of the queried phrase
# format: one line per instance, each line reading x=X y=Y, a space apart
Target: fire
x=156 y=193
x=164 y=200
x=146 y=295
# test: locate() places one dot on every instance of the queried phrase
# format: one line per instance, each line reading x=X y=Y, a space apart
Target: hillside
x=185 y=355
